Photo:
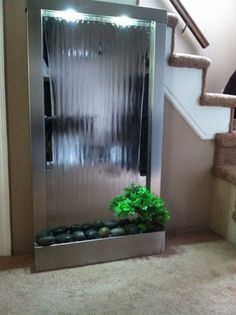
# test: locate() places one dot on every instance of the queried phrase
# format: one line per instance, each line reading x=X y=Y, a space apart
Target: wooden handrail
x=190 y=23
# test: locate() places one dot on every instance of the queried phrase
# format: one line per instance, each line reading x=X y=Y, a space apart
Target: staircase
x=217 y=120
x=225 y=157
x=209 y=114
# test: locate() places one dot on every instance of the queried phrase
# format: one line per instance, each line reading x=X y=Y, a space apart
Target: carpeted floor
x=196 y=275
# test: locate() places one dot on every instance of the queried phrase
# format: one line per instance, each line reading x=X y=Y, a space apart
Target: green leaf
x=139 y=200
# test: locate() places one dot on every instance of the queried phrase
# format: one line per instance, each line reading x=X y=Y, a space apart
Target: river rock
x=46 y=241
x=133 y=217
x=111 y=224
x=123 y=222
x=104 y=232
x=91 y=234
x=43 y=233
x=98 y=224
x=74 y=227
x=137 y=221
x=86 y=226
x=131 y=229
x=63 y=238
x=119 y=231
x=78 y=236
x=59 y=230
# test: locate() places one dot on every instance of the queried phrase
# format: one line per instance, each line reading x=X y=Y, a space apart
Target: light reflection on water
x=97 y=73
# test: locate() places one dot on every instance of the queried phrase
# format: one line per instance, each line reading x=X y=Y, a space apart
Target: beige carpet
x=196 y=275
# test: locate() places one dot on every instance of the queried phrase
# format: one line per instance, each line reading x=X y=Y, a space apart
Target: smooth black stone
x=123 y=222
x=78 y=236
x=104 y=232
x=131 y=229
x=98 y=224
x=91 y=234
x=59 y=230
x=111 y=224
x=43 y=233
x=74 y=227
x=46 y=241
x=63 y=238
x=137 y=221
x=119 y=231
x=86 y=227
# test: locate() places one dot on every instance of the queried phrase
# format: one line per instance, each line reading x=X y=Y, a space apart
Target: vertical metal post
x=36 y=96
x=157 y=106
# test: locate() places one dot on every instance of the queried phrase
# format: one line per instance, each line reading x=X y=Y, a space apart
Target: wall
x=216 y=20
x=186 y=184
x=5 y=237
x=186 y=177
x=18 y=125
x=223 y=210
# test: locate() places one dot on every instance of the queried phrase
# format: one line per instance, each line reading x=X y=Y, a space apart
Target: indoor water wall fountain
x=96 y=101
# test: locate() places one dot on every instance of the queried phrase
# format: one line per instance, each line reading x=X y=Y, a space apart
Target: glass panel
x=96 y=113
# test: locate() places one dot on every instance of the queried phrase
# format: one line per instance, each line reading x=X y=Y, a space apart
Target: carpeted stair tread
x=225 y=144
x=225 y=157
x=202 y=63
x=226 y=172
x=217 y=99
x=226 y=140
x=189 y=61
x=225 y=149
x=172 y=20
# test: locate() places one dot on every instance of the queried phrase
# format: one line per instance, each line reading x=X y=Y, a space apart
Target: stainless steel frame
x=98 y=251
x=36 y=95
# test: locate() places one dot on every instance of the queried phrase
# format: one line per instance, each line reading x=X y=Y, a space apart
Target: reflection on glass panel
x=96 y=113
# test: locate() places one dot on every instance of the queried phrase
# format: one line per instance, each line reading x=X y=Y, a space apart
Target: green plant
x=141 y=201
